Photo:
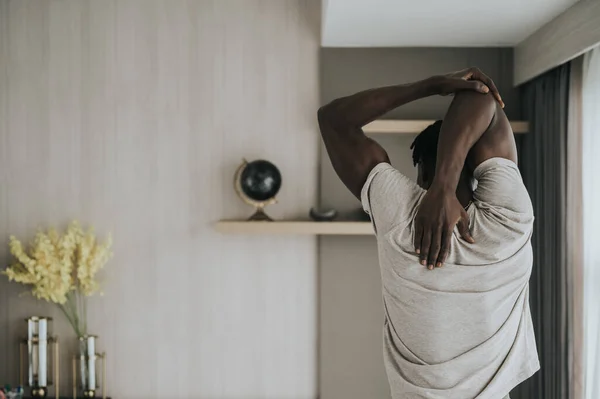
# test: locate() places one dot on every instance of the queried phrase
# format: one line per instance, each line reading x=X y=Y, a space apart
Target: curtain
x=591 y=223
x=543 y=160
x=575 y=228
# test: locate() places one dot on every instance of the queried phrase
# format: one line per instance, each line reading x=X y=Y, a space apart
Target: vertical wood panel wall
x=133 y=116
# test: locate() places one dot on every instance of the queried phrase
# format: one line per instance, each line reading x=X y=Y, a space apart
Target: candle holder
x=39 y=353
x=88 y=368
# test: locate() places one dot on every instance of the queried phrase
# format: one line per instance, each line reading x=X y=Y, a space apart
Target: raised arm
x=475 y=129
x=352 y=154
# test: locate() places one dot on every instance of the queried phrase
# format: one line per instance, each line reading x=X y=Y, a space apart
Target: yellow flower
x=57 y=264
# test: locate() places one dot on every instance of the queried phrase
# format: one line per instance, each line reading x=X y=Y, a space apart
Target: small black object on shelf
x=322 y=215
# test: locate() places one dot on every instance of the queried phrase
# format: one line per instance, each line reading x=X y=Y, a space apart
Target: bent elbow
x=322 y=114
x=484 y=105
x=489 y=102
x=330 y=114
x=483 y=100
x=326 y=114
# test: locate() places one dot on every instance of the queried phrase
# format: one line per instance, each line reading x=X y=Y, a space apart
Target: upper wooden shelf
x=394 y=126
x=300 y=227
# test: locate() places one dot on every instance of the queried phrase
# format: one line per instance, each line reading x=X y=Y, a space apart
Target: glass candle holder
x=87 y=364
x=39 y=355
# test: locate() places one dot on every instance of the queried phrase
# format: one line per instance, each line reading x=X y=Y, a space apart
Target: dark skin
x=475 y=129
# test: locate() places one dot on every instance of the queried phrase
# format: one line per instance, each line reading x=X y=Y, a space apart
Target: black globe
x=260 y=180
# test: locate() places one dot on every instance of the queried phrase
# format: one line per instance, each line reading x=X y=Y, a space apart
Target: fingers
x=495 y=91
x=445 y=249
x=476 y=74
x=434 y=250
x=477 y=86
x=463 y=228
x=418 y=235
x=425 y=243
x=464 y=74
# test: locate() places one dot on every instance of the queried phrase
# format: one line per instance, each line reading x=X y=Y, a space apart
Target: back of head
x=425 y=155
x=425 y=145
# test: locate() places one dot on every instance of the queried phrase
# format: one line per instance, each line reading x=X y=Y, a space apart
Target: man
x=457 y=322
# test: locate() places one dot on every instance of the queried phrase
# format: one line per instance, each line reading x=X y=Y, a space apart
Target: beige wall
x=351 y=316
x=132 y=116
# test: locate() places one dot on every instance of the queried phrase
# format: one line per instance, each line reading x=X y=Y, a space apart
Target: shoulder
x=496 y=142
x=389 y=197
x=503 y=205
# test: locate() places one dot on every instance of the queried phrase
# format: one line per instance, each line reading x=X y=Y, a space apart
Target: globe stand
x=260 y=216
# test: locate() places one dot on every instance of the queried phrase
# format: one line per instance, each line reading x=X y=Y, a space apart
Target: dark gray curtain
x=543 y=163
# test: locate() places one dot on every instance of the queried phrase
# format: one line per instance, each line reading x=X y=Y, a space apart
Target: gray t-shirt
x=464 y=330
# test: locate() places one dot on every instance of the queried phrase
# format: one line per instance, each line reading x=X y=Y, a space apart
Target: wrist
x=442 y=186
x=449 y=167
x=420 y=89
x=432 y=85
x=446 y=180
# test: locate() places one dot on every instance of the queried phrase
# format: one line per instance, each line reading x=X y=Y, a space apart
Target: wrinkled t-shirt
x=464 y=330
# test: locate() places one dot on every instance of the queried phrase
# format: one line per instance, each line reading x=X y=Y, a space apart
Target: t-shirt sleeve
x=500 y=190
x=389 y=197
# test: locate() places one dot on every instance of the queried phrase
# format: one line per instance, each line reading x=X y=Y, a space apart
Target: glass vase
x=87 y=366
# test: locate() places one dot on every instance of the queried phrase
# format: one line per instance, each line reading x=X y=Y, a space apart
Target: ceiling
x=435 y=23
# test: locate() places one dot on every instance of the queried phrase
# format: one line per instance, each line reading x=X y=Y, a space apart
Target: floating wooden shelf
x=309 y=227
x=394 y=126
x=303 y=227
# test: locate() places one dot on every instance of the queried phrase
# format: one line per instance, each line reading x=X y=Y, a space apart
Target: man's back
x=457 y=314
x=464 y=331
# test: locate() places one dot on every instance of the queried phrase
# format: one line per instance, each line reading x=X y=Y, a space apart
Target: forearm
x=467 y=119
x=361 y=108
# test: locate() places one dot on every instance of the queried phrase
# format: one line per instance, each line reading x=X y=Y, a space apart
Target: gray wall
x=351 y=317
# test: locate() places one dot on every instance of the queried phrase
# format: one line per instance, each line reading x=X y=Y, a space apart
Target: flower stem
x=75 y=309
x=84 y=300
x=71 y=321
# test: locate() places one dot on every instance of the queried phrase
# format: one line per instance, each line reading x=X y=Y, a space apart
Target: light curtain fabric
x=543 y=163
x=591 y=221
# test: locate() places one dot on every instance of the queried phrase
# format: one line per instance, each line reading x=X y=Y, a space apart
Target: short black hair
x=425 y=145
